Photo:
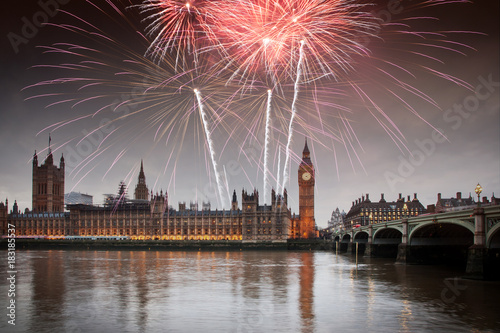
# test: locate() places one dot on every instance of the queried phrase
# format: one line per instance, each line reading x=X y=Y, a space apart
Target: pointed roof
x=141 y=173
x=50 y=150
x=306 y=155
x=306 y=148
x=50 y=159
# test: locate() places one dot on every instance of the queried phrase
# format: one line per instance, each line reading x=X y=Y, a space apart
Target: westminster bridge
x=468 y=236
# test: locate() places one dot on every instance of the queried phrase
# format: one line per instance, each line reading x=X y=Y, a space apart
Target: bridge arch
x=346 y=238
x=360 y=237
x=360 y=240
x=388 y=235
x=345 y=242
x=451 y=232
x=493 y=246
x=444 y=242
x=493 y=237
x=385 y=241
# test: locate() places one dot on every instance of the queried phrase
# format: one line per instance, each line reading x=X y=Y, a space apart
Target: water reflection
x=131 y=291
x=433 y=290
x=306 y=299
x=48 y=291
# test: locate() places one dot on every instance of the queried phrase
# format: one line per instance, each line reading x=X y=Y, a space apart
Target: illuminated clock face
x=306 y=176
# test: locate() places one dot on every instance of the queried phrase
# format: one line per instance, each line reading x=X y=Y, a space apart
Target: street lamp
x=478 y=191
x=405 y=210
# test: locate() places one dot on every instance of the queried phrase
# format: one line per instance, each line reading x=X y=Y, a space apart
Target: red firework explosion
x=264 y=35
x=177 y=25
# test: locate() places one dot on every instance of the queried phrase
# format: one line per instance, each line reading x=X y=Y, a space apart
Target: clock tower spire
x=306 y=179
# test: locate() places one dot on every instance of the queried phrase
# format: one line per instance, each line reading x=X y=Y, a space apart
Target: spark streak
x=278 y=173
x=266 y=144
x=208 y=136
x=294 y=112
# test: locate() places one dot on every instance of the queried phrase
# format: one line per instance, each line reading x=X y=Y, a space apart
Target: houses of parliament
x=149 y=217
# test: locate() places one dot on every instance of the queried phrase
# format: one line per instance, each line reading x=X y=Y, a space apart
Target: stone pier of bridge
x=477 y=256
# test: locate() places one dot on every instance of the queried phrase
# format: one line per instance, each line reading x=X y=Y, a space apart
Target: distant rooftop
x=74 y=198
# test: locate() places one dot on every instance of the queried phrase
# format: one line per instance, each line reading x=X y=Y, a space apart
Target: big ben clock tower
x=306 y=195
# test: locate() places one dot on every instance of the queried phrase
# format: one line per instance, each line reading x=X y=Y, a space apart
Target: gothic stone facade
x=305 y=228
x=150 y=216
x=48 y=185
x=155 y=220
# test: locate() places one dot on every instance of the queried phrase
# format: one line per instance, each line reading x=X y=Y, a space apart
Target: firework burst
x=263 y=37
x=178 y=27
x=333 y=53
x=139 y=97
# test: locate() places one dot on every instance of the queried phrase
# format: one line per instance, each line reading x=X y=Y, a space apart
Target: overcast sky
x=355 y=157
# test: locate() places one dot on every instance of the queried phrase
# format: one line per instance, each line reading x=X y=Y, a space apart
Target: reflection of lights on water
x=406 y=316
x=371 y=299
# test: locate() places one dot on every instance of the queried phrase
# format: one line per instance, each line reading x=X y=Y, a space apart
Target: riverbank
x=169 y=245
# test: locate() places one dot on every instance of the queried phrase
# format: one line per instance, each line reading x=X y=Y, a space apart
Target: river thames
x=241 y=291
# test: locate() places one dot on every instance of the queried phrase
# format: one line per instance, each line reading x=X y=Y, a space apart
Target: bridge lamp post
x=405 y=211
x=478 y=191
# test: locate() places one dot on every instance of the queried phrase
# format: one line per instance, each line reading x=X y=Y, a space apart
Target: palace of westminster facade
x=149 y=216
